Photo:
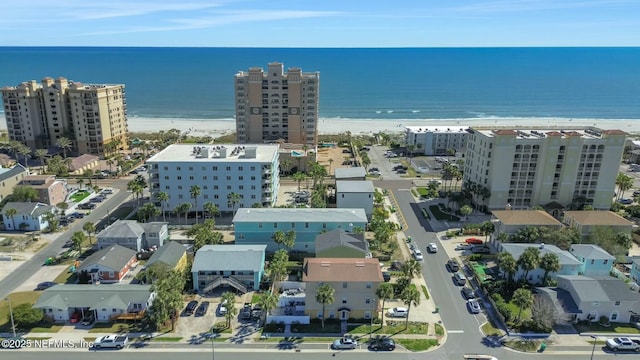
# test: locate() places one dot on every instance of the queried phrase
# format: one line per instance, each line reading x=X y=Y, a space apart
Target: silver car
x=474 y=306
x=346 y=343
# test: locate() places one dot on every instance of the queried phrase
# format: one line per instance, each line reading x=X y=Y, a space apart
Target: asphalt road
x=21 y=274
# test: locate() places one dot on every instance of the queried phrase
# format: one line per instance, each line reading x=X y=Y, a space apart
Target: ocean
x=378 y=84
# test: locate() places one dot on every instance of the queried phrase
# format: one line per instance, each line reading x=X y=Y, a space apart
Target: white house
x=134 y=235
x=355 y=194
x=29 y=216
x=569 y=265
x=436 y=140
x=250 y=171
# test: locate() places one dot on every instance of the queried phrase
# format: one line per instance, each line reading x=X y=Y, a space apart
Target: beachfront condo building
x=93 y=117
x=518 y=168
x=229 y=176
x=275 y=105
x=436 y=140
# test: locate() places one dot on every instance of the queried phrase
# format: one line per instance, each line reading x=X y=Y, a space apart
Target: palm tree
x=324 y=296
x=624 y=183
x=384 y=292
x=299 y=177
x=465 y=210
x=410 y=296
x=78 y=238
x=195 y=191
x=230 y=299
x=285 y=164
x=210 y=209
x=330 y=163
x=80 y=182
x=185 y=209
x=11 y=213
x=233 y=199
x=90 y=228
x=522 y=298
x=41 y=154
x=24 y=151
x=550 y=263
x=179 y=210
x=411 y=268
x=529 y=260
x=110 y=163
x=268 y=301
x=507 y=264
x=65 y=144
x=163 y=197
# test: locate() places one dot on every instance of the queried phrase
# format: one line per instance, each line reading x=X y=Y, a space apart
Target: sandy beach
x=217 y=127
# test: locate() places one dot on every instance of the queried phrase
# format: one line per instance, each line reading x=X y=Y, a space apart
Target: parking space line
x=455 y=332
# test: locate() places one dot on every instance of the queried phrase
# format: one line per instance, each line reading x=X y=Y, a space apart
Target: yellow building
x=355 y=281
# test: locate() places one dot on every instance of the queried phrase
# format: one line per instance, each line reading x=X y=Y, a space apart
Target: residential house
x=341 y=244
x=108 y=302
x=601 y=296
x=9 y=178
x=350 y=173
x=354 y=280
x=257 y=225
x=83 y=163
x=587 y=221
x=634 y=274
x=7 y=161
x=109 y=265
x=172 y=254
x=50 y=190
x=355 y=194
x=134 y=235
x=237 y=266
x=595 y=260
x=29 y=216
x=569 y=265
x=509 y=222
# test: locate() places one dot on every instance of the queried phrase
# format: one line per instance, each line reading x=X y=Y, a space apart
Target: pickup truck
x=623 y=344
x=111 y=342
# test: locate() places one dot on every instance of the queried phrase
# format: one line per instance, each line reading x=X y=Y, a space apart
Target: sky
x=320 y=23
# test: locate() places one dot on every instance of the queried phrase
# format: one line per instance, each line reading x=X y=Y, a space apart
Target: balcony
x=266 y=180
x=267 y=171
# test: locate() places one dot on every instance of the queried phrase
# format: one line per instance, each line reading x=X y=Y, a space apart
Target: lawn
x=393 y=327
x=526 y=313
x=439 y=215
x=23 y=297
x=489 y=330
x=614 y=328
x=524 y=345
x=66 y=277
x=117 y=327
x=79 y=196
x=422 y=191
x=417 y=344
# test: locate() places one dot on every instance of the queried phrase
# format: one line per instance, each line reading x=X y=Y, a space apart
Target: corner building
x=524 y=168
x=276 y=105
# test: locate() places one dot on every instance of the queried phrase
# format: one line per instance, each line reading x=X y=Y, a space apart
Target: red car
x=75 y=317
x=474 y=241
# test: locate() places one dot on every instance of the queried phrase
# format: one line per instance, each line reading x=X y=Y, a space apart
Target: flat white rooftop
x=437 y=129
x=550 y=131
x=216 y=153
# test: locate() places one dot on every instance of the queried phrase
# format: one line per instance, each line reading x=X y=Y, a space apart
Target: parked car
x=468 y=293
x=474 y=241
x=75 y=317
x=624 y=344
x=432 y=248
x=474 y=306
x=398 y=312
x=401 y=171
x=383 y=343
x=202 y=309
x=453 y=265
x=418 y=254
x=373 y=169
x=625 y=201
x=256 y=313
x=345 y=343
x=245 y=313
x=386 y=276
x=396 y=266
x=222 y=309
x=463 y=247
x=77 y=215
x=480 y=250
x=111 y=341
x=107 y=191
x=190 y=308
x=45 y=285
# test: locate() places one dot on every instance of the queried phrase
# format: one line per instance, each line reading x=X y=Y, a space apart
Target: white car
x=432 y=248
x=474 y=306
x=223 y=307
x=398 y=312
x=418 y=254
x=346 y=343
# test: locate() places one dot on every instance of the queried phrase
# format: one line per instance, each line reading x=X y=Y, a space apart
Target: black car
x=468 y=293
x=191 y=307
x=386 y=276
x=396 y=266
x=453 y=265
x=480 y=250
x=373 y=169
x=45 y=285
x=202 y=309
x=385 y=344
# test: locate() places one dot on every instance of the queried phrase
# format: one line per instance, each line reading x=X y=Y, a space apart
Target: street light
x=593 y=350
x=213 y=349
x=374 y=308
x=13 y=324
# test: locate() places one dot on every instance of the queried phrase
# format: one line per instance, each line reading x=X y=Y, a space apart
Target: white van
x=398 y=312
x=459 y=279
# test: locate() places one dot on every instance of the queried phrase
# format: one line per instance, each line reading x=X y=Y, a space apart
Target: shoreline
x=327 y=126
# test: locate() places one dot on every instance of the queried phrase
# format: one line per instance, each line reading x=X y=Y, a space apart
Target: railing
x=229 y=281
x=127 y=316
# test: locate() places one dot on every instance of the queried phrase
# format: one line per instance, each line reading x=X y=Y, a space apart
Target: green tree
x=522 y=298
x=550 y=263
x=410 y=296
x=210 y=209
x=24 y=193
x=41 y=154
x=508 y=265
x=465 y=210
x=78 y=239
x=168 y=300
x=624 y=183
x=278 y=238
x=529 y=260
x=205 y=234
x=24 y=151
x=162 y=197
x=25 y=315
x=11 y=213
x=268 y=301
x=90 y=228
x=299 y=177
x=324 y=296
x=147 y=211
x=384 y=292
x=232 y=311
x=233 y=200
x=52 y=220
x=195 y=191
x=64 y=144
x=411 y=269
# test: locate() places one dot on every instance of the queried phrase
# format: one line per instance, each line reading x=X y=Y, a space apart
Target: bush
x=604 y=321
x=475 y=257
x=532 y=325
x=505 y=311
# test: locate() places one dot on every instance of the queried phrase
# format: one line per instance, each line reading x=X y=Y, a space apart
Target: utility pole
x=13 y=324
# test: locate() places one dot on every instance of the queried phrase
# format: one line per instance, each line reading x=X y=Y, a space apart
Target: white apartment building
x=251 y=171
x=523 y=168
x=276 y=105
x=436 y=140
x=89 y=115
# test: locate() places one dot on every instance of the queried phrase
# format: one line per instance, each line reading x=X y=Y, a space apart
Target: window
x=324 y=225
x=180 y=196
x=178 y=168
x=228 y=168
x=614 y=316
x=306 y=225
x=259 y=225
x=593 y=261
x=344 y=300
x=367 y=301
x=275 y=225
x=369 y=285
x=617 y=303
x=344 y=285
x=179 y=178
x=605 y=262
x=240 y=178
x=293 y=225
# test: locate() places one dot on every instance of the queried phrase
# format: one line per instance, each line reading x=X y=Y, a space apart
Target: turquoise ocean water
x=378 y=84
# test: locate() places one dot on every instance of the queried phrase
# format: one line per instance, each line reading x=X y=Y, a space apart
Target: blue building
x=595 y=260
x=237 y=266
x=257 y=225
